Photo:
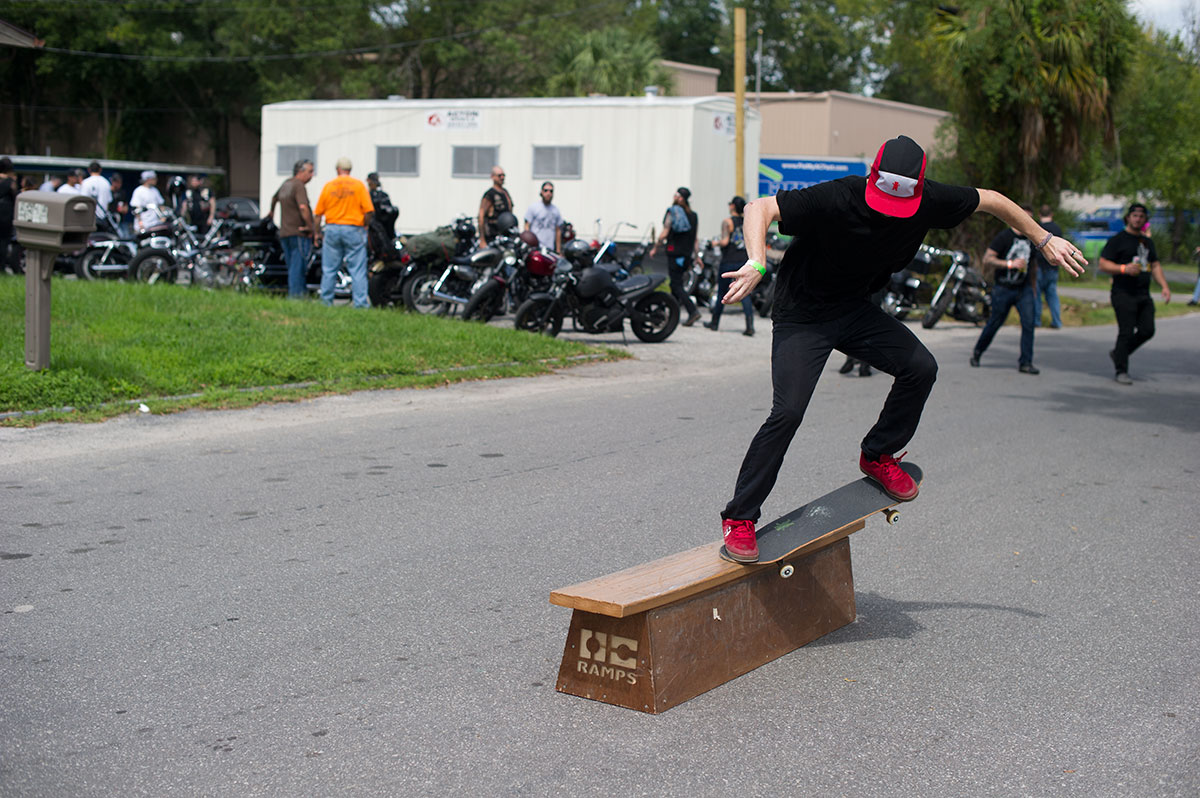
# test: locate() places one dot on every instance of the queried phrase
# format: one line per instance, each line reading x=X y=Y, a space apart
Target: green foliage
x=1158 y=132
x=1031 y=84
x=812 y=46
x=611 y=61
x=691 y=31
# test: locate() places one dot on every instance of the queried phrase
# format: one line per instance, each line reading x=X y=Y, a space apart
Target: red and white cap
x=897 y=178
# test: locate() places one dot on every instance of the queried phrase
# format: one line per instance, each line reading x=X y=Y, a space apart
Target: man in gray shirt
x=545 y=220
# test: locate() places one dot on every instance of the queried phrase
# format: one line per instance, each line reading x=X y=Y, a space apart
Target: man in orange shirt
x=345 y=209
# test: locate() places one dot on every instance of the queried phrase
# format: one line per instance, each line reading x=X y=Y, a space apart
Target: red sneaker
x=887 y=472
x=741 y=542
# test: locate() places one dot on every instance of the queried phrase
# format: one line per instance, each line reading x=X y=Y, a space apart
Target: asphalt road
x=348 y=596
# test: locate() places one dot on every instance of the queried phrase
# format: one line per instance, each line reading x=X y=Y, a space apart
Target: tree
x=1031 y=85
x=818 y=45
x=690 y=31
x=1158 y=131
x=612 y=61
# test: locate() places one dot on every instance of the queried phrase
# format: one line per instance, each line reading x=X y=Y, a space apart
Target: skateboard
x=784 y=536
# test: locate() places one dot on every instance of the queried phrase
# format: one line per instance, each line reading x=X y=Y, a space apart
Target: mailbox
x=54 y=222
x=47 y=223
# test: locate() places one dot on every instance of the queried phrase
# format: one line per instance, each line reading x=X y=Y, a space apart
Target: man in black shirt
x=850 y=235
x=1010 y=255
x=496 y=200
x=1132 y=260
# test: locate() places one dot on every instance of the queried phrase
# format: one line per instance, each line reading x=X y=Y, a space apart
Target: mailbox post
x=47 y=223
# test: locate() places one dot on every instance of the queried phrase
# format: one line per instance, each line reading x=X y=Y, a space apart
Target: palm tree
x=611 y=61
x=1032 y=84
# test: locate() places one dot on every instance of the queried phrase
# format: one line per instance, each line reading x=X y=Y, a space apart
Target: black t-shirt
x=1038 y=258
x=1010 y=246
x=1125 y=247
x=843 y=251
x=735 y=253
x=681 y=244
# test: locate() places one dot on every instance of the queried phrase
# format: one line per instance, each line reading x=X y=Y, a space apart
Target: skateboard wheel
x=892 y=516
x=786 y=570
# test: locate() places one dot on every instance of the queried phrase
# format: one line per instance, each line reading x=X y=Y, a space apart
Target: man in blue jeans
x=1013 y=287
x=296 y=225
x=346 y=208
x=1047 y=275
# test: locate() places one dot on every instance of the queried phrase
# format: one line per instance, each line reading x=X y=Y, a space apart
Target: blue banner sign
x=775 y=174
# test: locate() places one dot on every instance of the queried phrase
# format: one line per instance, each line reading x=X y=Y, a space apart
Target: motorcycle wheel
x=689 y=281
x=530 y=317
x=418 y=294
x=937 y=309
x=654 y=317
x=892 y=306
x=383 y=288
x=153 y=266
x=486 y=302
x=85 y=266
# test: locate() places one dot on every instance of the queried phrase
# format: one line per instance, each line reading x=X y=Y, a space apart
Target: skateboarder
x=850 y=235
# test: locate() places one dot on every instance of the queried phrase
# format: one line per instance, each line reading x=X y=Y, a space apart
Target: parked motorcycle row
x=443 y=273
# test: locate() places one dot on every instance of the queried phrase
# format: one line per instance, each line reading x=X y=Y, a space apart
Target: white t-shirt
x=544 y=220
x=143 y=197
x=97 y=187
x=67 y=188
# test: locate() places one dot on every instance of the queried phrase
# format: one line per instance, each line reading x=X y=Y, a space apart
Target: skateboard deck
x=820 y=517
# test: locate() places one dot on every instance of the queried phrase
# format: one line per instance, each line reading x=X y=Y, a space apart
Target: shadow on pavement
x=880 y=617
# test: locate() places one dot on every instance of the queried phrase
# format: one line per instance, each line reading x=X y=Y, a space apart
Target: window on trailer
x=561 y=162
x=399 y=161
x=288 y=154
x=474 y=161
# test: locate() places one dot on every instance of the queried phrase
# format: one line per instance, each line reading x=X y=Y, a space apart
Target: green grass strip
x=174 y=347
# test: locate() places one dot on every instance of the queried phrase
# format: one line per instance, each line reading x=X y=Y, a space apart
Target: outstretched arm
x=758 y=218
x=1058 y=251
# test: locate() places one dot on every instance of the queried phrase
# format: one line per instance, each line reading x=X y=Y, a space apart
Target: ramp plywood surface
x=654 y=584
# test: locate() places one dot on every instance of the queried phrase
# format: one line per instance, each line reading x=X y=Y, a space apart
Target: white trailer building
x=617 y=159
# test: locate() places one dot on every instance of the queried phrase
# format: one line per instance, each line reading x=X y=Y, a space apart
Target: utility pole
x=758 y=73
x=739 y=96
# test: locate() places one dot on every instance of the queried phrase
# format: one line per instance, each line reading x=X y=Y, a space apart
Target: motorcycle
x=389 y=277
x=106 y=253
x=597 y=303
x=900 y=295
x=962 y=293
x=523 y=269
x=701 y=281
x=441 y=293
x=176 y=249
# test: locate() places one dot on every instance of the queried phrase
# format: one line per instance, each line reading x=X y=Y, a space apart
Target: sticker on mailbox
x=34 y=212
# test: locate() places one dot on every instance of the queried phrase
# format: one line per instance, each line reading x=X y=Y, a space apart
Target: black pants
x=6 y=236
x=1135 y=325
x=798 y=355
x=723 y=284
x=675 y=270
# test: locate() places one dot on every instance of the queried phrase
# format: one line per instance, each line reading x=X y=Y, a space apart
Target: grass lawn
x=174 y=347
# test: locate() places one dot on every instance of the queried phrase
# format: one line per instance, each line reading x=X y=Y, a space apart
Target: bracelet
x=1045 y=240
x=761 y=269
x=1123 y=265
x=1008 y=264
